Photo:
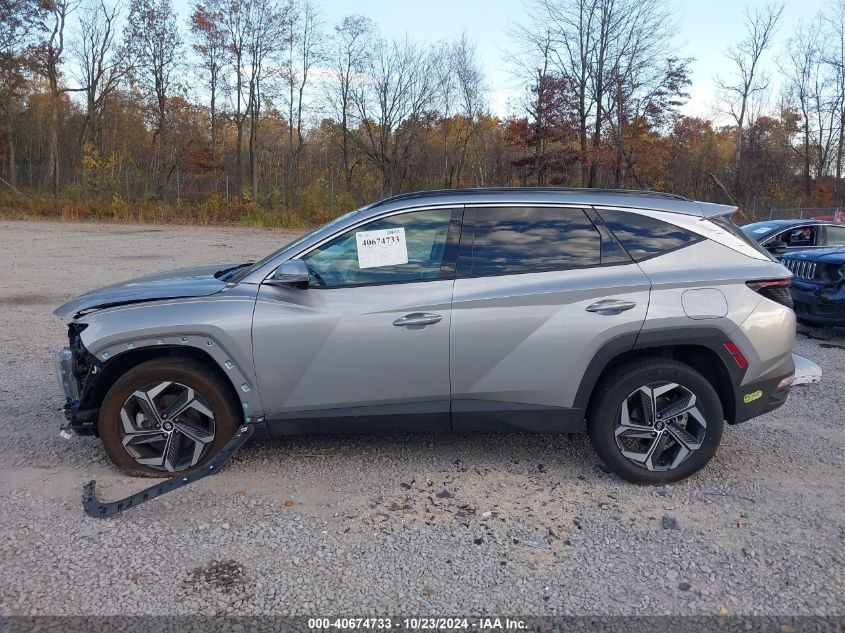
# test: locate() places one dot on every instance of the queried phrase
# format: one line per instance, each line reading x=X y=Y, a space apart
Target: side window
x=520 y=240
x=798 y=237
x=645 y=237
x=403 y=247
x=835 y=235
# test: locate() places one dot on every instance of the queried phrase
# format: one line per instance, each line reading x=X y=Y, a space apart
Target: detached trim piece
x=104 y=509
x=806 y=371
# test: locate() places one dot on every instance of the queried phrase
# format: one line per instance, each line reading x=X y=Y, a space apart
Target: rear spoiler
x=711 y=210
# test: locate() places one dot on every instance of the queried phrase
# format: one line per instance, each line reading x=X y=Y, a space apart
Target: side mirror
x=293 y=272
x=776 y=246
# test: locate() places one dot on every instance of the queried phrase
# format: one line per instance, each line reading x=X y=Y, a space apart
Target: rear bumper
x=820 y=304
x=765 y=395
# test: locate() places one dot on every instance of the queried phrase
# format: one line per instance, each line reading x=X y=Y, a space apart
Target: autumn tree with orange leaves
x=273 y=109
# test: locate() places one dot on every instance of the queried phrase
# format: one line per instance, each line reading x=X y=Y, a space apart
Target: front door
x=799 y=238
x=366 y=345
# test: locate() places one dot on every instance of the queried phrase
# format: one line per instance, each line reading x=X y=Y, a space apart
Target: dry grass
x=212 y=212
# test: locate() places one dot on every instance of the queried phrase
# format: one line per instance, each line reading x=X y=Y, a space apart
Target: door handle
x=610 y=306
x=418 y=318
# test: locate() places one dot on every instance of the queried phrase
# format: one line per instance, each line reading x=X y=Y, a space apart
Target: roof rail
x=410 y=195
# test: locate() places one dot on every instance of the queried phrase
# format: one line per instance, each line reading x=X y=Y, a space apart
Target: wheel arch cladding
x=702 y=349
x=121 y=358
x=219 y=326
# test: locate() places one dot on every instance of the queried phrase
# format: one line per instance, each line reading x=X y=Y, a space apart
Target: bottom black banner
x=551 y=624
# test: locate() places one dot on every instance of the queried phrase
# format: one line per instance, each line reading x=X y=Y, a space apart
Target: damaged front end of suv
x=77 y=371
x=173 y=315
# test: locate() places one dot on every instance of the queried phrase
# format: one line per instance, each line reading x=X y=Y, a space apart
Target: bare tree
x=641 y=101
x=98 y=63
x=390 y=105
x=267 y=32
x=834 y=57
x=53 y=51
x=640 y=83
x=153 y=42
x=561 y=34
x=470 y=77
x=748 y=80
x=210 y=45
x=352 y=43
x=20 y=22
x=236 y=24
x=252 y=30
x=593 y=45
x=802 y=57
x=302 y=50
x=533 y=64
x=462 y=95
x=826 y=105
x=812 y=87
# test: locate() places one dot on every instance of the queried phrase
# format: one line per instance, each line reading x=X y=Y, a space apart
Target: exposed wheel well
x=119 y=365
x=701 y=358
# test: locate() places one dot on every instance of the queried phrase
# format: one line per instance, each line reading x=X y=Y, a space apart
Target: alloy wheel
x=166 y=426
x=659 y=426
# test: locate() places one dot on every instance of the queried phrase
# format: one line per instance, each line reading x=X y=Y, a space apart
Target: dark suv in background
x=781 y=237
x=814 y=250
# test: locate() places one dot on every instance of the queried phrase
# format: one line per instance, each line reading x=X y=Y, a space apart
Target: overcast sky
x=706 y=29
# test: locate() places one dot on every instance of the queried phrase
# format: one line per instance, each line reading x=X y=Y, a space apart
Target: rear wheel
x=166 y=417
x=656 y=421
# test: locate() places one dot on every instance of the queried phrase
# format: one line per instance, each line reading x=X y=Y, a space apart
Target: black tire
x=188 y=372
x=606 y=410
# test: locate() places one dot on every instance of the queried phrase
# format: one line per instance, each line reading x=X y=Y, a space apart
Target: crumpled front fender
x=220 y=326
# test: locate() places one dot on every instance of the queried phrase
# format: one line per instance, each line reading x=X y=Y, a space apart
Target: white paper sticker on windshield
x=762 y=229
x=381 y=248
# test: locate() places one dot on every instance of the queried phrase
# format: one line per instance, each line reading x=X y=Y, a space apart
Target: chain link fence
x=836 y=214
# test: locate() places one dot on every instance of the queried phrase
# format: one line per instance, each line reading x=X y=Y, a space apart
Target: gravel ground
x=403 y=524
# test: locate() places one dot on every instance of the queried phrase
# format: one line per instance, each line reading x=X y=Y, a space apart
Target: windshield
x=240 y=274
x=760 y=230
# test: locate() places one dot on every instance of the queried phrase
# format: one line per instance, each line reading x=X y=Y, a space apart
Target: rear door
x=540 y=292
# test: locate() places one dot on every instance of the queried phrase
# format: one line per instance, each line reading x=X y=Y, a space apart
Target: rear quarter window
x=728 y=225
x=645 y=237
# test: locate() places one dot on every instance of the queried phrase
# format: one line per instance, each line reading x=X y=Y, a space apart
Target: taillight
x=734 y=351
x=775 y=289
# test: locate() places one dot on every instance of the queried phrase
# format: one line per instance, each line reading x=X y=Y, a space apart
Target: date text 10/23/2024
x=418 y=623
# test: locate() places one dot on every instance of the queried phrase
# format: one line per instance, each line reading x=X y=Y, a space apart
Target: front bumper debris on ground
x=104 y=509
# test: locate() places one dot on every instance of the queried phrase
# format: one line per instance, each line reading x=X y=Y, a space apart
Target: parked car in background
x=780 y=237
x=818 y=285
x=646 y=319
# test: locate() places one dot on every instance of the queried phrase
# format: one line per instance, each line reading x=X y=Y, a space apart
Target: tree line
x=266 y=107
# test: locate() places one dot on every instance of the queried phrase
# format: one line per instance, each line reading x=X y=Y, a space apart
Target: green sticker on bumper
x=751 y=397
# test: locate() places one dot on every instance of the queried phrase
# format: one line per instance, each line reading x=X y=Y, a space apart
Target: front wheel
x=166 y=417
x=656 y=421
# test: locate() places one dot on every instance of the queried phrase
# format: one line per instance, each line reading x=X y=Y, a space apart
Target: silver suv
x=646 y=319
